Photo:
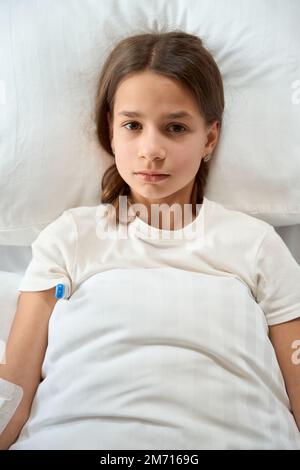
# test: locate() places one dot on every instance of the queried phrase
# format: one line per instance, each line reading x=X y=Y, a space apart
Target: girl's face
x=156 y=142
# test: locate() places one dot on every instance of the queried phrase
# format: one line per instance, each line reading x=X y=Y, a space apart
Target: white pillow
x=50 y=61
x=176 y=360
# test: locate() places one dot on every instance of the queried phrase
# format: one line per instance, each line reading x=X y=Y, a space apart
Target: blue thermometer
x=60 y=291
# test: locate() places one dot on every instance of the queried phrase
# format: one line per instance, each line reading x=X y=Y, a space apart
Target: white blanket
x=160 y=358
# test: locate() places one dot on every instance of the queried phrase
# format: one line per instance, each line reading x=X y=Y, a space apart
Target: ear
x=212 y=136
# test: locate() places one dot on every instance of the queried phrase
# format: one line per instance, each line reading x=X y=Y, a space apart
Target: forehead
x=145 y=91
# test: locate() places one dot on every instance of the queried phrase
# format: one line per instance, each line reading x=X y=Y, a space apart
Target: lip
x=152 y=178
x=152 y=173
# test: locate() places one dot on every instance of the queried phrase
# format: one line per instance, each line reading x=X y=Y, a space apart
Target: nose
x=151 y=145
x=153 y=154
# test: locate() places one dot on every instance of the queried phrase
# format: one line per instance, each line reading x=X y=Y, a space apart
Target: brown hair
x=176 y=55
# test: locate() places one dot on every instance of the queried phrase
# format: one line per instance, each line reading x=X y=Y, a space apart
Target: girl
x=223 y=369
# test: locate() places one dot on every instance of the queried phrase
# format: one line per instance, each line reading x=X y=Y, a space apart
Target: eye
x=178 y=125
x=129 y=123
x=172 y=125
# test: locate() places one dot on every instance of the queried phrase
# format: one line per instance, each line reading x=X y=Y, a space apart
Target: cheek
x=120 y=166
x=122 y=159
x=124 y=164
x=186 y=163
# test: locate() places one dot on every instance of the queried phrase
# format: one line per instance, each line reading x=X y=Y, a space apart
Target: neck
x=167 y=217
x=172 y=213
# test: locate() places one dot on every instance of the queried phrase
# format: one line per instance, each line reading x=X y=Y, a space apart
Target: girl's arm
x=25 y=352
x=285 y=338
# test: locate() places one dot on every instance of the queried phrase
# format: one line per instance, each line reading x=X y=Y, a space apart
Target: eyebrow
x=178 y=114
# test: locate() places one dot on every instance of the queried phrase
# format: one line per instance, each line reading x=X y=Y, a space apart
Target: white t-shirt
x=219 y=242
x=163 y=343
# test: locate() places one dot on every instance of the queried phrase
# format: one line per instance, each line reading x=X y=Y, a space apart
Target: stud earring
x=206 y=158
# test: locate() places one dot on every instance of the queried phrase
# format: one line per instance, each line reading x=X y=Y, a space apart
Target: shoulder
x=64 y=226
x=87 y=218
x=86 y=213
x=237 y=223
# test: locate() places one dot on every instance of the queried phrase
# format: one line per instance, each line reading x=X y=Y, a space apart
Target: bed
x=52 y=57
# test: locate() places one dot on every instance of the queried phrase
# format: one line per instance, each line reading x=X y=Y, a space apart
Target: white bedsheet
x=15 y=259
x=173 y=360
